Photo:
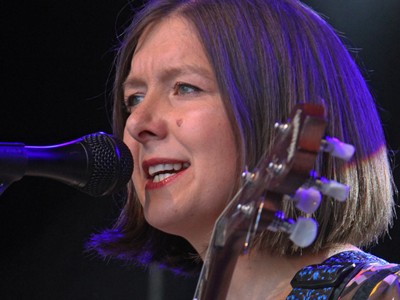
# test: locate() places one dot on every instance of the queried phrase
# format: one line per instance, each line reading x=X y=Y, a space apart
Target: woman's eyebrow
x=187 y=69
x=132 y=82
x=135 y=81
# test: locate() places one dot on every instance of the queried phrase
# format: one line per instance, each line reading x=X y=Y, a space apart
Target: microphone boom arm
x=97 y=164
x=13 y=162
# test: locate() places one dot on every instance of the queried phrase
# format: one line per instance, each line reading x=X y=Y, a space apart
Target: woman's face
x=179 y=133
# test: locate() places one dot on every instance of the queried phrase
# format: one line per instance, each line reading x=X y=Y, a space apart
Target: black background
x=56 y=66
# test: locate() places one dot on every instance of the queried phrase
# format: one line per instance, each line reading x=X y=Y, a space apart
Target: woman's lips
x=159 y=172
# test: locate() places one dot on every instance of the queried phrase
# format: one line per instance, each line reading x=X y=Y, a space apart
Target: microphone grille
x=111 y=164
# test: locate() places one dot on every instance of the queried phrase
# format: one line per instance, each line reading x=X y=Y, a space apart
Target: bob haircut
x=268 y=55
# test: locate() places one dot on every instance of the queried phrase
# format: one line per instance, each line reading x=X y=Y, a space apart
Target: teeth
x=161 y=177
x=166 y=167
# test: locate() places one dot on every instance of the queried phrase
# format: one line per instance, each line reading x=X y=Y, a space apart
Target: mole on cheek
x=179 y=122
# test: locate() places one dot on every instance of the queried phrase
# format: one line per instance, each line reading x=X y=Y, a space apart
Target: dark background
x=56 y=66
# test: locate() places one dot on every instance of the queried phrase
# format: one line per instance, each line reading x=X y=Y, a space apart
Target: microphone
x=97 y=164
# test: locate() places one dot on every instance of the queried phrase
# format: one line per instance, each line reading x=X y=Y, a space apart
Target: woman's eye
x=181 y=88
x=132 y=101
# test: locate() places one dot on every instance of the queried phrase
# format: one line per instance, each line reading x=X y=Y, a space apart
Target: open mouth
x=161 y=172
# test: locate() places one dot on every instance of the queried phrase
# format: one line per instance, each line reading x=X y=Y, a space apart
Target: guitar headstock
x=287 y=170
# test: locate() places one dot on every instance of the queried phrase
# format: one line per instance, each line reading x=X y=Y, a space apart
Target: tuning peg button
x=307 y=199
x=337 y=148
x=303 y=232
x=332 y=188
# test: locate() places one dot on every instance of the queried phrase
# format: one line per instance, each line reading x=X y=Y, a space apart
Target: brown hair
x=267 y=57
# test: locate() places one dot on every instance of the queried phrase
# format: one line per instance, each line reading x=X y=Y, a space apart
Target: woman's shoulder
x=348 y=275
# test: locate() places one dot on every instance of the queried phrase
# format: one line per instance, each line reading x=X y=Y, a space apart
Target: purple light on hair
x=144 y=257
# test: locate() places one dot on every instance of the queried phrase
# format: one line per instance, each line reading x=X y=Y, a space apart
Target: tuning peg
x=337 y=148
x=248 y=176
x=332 y=188
x=307 y=199
x=303 y=232
x=282 y=127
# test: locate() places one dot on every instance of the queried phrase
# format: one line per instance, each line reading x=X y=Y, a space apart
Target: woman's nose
x=147 y=121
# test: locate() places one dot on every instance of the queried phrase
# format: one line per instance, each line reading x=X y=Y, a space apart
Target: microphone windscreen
x=111 y=164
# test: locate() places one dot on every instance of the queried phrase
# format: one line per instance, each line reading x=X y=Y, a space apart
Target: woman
x=199 y=85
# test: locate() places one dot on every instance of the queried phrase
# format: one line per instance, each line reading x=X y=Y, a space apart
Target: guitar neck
x=219 y=273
